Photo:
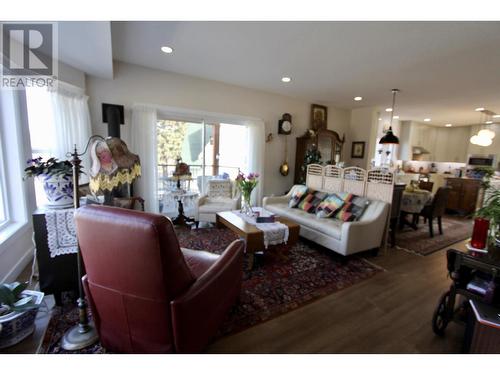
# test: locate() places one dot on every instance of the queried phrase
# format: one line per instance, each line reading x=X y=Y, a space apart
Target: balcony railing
x=166 y=171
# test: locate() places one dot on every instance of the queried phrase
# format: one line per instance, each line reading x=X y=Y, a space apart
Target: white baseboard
x=21 y=264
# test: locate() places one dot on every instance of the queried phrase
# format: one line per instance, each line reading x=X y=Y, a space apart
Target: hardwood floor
x=389 y=313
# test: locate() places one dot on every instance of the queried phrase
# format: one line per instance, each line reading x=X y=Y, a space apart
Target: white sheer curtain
x=143 y=143
x=71 y=125
x=256 y=149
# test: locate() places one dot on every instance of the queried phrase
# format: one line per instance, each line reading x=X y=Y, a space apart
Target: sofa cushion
x=297 y=196
x=329 y=206
x=353 y=209
x=220 y=189
x=327 y=226
x=311 y=201
x=216 y=205
x=359 y=205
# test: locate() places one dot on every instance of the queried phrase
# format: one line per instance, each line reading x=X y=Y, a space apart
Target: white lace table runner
x=61 y=232
x=274 y=233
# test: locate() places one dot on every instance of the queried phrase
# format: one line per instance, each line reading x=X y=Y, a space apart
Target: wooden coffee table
x=254 y=237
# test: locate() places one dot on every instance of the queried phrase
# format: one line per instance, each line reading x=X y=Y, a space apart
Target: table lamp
x=113 y=166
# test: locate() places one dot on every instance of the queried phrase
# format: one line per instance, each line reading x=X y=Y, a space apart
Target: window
x=3 y=190
x=210 y=149
x=40 y=119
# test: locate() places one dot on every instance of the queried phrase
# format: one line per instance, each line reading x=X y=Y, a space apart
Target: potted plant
x=490 y=209
x=18 y=308
x=56 y=178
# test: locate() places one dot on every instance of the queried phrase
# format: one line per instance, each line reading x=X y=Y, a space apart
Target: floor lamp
x=83 y=334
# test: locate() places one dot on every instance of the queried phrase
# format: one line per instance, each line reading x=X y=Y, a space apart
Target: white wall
x=363 y=128
x=136 y=84
x=71 y=75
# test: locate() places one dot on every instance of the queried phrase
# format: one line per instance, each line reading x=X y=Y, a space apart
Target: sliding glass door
x=211 y=150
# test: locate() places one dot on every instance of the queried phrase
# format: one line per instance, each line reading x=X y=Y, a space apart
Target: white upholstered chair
x=222 y=195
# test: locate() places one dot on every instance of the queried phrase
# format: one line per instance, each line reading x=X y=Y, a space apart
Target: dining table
x=412 y=202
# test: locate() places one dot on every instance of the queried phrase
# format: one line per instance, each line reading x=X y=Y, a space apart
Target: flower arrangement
x=51 y=167
x=246 y=184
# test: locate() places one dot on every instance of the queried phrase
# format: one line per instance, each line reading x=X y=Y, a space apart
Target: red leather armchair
x=148 y=295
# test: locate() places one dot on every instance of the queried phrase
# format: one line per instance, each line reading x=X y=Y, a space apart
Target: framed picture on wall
x=319 y=115
x=358 y=150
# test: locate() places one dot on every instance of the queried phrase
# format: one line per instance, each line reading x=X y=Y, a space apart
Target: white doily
x=273 y=233
x=61 y=232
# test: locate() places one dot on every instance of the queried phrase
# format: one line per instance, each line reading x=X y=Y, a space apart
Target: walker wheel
x=441 y=316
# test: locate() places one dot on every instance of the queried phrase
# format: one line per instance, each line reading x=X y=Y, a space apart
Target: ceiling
x=443 y=69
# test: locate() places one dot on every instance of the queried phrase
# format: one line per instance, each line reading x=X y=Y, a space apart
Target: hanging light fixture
x=389 y=138
x=484 y=137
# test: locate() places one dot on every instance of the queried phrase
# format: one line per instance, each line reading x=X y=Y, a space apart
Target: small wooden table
x=253 y=236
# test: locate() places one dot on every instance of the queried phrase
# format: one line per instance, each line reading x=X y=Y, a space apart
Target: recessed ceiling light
x=358 y=98
x=286 y=79
x=496 y=116
x=167 y=49
x=395 y=117
x=479 y=109
x=448 y=125
x=388 y=109
x=380 y=118
x=488 y=122
x=427 y=119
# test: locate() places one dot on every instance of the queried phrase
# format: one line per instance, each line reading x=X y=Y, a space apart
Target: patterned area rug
x=419 y=241
x=282 y=280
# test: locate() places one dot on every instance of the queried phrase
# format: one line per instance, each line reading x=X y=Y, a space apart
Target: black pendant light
x=389 y=138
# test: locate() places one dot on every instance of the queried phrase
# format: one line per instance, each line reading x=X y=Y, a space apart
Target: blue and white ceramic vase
x=59 y=190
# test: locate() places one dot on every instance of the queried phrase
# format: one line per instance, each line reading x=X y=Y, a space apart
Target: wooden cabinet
x=328 y=143
x=463 y=194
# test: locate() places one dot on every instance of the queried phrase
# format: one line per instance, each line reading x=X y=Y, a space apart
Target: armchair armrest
x=197 y=314
x=201 y=200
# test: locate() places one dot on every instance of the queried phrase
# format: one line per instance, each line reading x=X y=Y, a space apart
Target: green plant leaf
x=28 y=306
x=19 y=289
x=6 y=295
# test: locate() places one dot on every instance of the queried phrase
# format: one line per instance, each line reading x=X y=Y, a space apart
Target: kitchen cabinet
x=463 y=195
x=442 y=144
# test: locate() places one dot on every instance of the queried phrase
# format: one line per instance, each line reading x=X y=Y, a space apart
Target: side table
x=58 y=274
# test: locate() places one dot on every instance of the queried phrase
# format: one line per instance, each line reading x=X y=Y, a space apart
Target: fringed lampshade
x=112 y=165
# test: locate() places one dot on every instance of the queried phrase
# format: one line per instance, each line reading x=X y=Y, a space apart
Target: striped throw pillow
x=329 y=206
x=297 y=196
x=311 y=201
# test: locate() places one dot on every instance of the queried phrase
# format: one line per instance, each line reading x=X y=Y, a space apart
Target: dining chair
x=436 y=209
x=426 y=185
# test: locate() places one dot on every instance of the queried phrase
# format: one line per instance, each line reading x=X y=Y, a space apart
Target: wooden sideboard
x=329 y=145
x=463 y=195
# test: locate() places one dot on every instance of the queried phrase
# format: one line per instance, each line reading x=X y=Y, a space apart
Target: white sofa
x=342 y=237
x=345 y=238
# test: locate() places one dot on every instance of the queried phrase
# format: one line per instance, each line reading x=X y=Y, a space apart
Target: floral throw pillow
x=329 y=206
x=311 y=201
x=297 y=196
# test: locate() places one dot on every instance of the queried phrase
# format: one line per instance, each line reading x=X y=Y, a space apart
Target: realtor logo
x=28 y=51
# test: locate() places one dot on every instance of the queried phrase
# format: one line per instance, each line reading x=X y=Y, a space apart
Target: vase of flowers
x=56 y=178
x=246 y=184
